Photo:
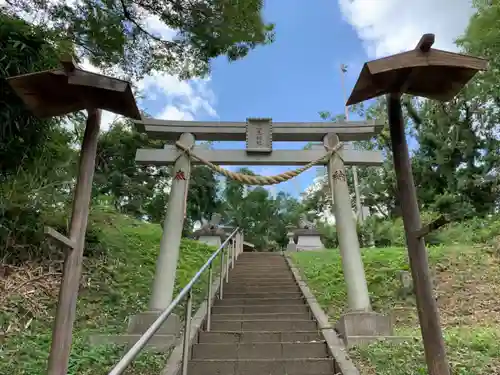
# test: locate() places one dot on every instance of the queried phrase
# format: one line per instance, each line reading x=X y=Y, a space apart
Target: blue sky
x=295 y=77
x=299 y=75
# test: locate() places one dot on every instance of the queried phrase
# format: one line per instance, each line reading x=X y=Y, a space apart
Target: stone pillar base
x=309 y=242
x=211 y=240
x=163 y=340
x=291 y=247
x=363 y=327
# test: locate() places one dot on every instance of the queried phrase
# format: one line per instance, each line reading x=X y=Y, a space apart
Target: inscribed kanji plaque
x=259 y=135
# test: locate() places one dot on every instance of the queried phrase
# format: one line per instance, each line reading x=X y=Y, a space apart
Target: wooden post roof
x=424 y=71
x=70 y=89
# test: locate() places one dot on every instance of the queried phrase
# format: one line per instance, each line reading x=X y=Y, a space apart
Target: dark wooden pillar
x=72 y=271
x=435 y=352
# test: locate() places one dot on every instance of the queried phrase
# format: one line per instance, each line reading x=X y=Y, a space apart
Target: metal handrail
x=134 y=351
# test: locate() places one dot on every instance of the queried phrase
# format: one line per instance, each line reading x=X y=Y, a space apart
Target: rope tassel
x=260 y=180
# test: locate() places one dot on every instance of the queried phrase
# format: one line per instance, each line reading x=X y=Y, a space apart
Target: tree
x=23 y=137
x=118 y=32
x=262 y=217
x=36 y=162
x=142 y=190
x=131 y=187
x=202 y=199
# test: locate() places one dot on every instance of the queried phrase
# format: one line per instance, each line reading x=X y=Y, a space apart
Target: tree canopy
x=455 y=146
x=140 y=36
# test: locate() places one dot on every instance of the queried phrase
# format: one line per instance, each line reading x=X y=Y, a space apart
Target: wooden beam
x=72 y=269
x=59 y=238
x=425 y=43
x=432 y=226
x=415 y=58
x=236 y=131
x=435 y=352
x=84 y=78
x=168 y=155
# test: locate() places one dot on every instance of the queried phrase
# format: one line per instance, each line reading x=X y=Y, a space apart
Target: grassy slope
x=468 y=290
x=117 y=284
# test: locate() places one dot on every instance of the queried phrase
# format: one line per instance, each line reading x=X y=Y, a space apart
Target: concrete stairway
x=262 y=326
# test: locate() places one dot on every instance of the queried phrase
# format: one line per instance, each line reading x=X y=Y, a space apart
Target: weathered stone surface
x=307 y=242
x=364 y=324
x=138 y=324
x=211 y=240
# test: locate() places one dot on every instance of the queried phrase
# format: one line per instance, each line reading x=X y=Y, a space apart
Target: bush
x=116 y=283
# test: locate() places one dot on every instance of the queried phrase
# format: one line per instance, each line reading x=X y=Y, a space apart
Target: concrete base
x=353 y=341
x=211 y=240
x=291 y=247
x=311 y=242
x=362 y=327
x=158 y=343
x=163 y=340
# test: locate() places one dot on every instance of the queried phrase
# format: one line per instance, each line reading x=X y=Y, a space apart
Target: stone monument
x=291 y=246
x=307 y=236
x=210 y=232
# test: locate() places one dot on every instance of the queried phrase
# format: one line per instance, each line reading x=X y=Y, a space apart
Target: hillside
x=118 y=274
x=468 y=290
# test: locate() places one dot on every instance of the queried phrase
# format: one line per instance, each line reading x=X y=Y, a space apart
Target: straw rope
x=259 y=180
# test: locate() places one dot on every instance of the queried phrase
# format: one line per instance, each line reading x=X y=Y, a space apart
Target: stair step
x=262 y=295
x=264 y=325
x=258 y=336
x=260 y=282
x=259 y=309
x=268 y=350
x=261 y=279
x=269 y=289
x=260 y=301
x=261 y=316
x=258 y=275
x=262 y=266
x=310 y=366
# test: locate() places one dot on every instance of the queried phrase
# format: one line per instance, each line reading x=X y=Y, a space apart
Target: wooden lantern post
x=433 y=74
x=55 y=93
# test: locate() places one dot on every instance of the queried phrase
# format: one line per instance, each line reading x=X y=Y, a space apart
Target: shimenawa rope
x=259 y=180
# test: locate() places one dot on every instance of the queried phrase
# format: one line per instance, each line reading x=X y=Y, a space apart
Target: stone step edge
x=246 y=306
x=261 y=343
x=270 y=314
x=311 y=359
x=238 y=332
x=257 y=298
x=280 y=293
x=263 y=320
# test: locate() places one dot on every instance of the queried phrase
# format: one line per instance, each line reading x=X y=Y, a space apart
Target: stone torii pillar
x=358 y=298
x=359 y=324
x=166 y=265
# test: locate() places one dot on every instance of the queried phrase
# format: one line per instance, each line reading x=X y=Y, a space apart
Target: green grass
x=468 y=285
x=118 y=278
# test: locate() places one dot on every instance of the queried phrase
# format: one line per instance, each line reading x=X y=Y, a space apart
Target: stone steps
x=262 y=326
x=256 y=309
x=297 y=366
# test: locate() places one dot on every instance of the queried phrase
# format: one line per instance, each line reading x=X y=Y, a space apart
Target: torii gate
x=259 y=135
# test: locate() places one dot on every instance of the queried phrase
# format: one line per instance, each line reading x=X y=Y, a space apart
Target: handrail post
x=233 y=251
x=209 y=298
x=228 y=261
x=187 y=332
x=242 y=240
x=221 y=275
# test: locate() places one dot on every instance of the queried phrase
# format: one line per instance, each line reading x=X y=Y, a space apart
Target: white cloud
x=392 y=26
x=192 y=97
x=173 y=113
